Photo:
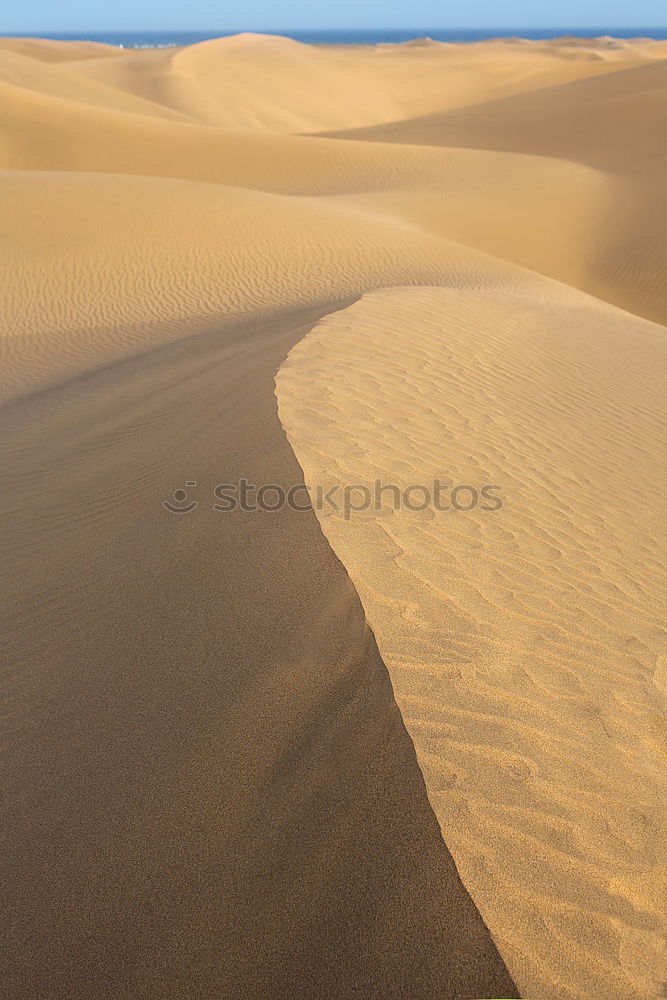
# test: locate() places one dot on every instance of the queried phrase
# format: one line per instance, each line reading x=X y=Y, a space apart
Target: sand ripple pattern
x=523 y=645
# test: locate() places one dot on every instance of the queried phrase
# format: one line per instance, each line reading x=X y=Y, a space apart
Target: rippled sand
x=410 y=754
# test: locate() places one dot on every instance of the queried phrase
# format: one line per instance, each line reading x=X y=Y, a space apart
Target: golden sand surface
x=400 y=754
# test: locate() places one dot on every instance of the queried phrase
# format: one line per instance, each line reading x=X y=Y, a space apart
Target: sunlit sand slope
x=523 y=643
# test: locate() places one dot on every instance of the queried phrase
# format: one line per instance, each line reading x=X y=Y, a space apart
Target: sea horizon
x=152 y=38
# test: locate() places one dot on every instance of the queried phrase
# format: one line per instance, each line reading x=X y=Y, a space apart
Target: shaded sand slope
x=522 y=644
x=208 y=788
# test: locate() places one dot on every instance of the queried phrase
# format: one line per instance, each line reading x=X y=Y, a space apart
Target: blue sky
x=86 y=15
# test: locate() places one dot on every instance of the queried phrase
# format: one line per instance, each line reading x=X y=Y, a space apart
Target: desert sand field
x=411 y=752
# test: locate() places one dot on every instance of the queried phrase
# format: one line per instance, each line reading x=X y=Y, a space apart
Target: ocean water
x=152 y=39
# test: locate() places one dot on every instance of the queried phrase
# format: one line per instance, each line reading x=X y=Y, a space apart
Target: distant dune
x=410 y=754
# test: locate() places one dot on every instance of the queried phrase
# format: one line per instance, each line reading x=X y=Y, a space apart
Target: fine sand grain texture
x=210 y=791
x=409 y=754
x=522 y=643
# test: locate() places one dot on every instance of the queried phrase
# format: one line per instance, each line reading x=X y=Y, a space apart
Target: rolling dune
x=521 y=644
x=239 y=747
x=50 y=51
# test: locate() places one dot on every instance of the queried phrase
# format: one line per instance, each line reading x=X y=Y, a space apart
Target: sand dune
x=49 y=51
x=49 y=80
x=194 y=256
x=591 y=224
x=267 y=82
x=210 y=788
x=200 y=797
x=570 y=121
x=521 y=644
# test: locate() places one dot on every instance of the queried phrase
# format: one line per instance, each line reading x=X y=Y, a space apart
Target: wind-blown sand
x=219 y=781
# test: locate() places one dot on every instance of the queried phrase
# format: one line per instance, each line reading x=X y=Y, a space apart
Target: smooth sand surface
x=210 y=788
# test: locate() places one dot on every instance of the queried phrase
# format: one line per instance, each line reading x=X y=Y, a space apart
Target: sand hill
x=404 y=753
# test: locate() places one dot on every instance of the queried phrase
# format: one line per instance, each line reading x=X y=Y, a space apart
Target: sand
x=404 y=754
